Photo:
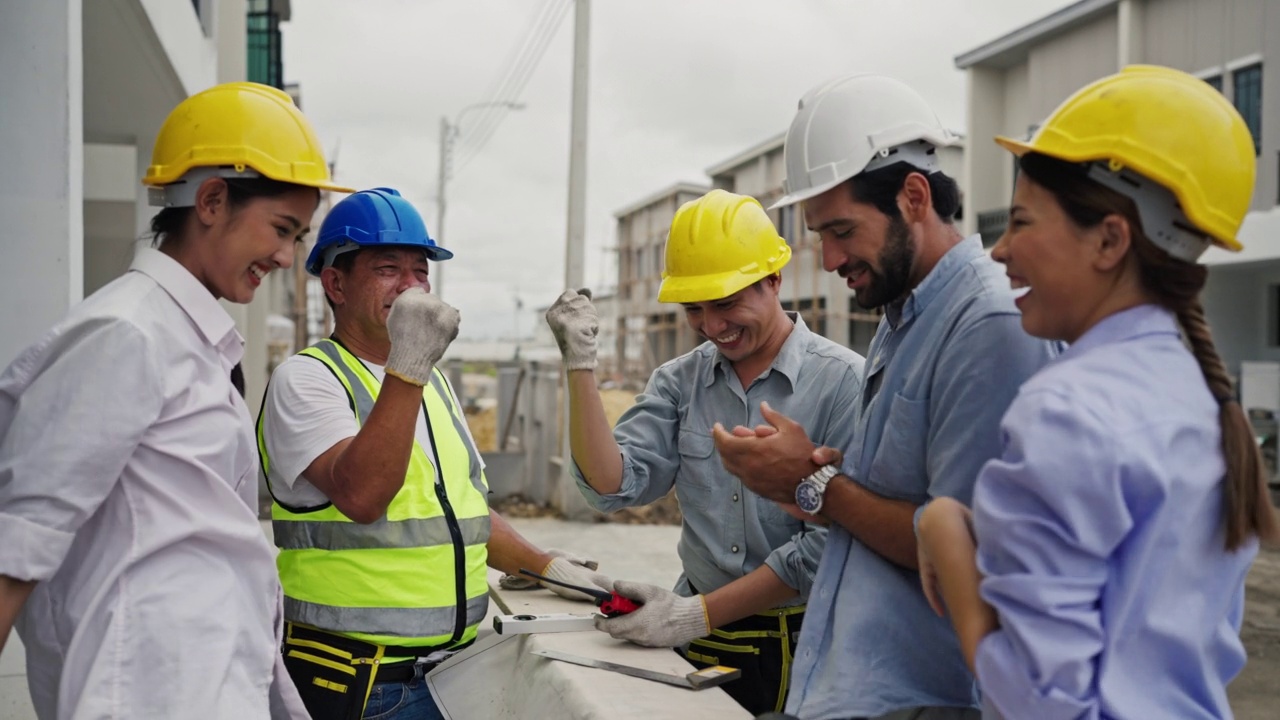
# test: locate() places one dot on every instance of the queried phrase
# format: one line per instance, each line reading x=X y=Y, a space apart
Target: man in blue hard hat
x=380 y=501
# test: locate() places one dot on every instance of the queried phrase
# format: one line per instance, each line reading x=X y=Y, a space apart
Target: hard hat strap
x=182 y=192
x=1162 y=217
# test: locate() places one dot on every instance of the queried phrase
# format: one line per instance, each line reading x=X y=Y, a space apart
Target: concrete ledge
x=499 y=678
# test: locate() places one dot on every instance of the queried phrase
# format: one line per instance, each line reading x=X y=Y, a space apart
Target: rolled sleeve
x=646 y=436
x=76 y=409
x=632 y=492
x=304 y=414
x=1047 y=517
x=796 y=563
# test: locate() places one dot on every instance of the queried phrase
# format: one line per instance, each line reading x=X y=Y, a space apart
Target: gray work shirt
x=944 y=366
x=666 y=440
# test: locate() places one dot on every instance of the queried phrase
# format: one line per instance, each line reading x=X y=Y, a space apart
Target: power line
x=520 y=69
x=526 y=53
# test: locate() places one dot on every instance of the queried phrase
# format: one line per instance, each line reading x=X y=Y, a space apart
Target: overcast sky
x=675 y=86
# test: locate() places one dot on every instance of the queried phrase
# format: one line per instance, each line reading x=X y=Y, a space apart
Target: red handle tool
x=611 y=604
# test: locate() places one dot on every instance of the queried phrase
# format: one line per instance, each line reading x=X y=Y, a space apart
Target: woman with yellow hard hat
x=131 y=559
x=1114 y=533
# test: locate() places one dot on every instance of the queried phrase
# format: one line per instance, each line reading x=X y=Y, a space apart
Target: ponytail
x=1176 y=285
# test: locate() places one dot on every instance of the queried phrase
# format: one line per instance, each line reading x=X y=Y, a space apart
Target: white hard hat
x=853 y=124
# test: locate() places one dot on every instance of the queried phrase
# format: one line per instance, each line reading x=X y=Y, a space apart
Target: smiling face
x=742 y=324
x=1053 y=264
x=232 y=239
x=874 y=253
x=362 y=295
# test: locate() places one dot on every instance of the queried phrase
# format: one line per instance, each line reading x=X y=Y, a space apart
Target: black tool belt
x=334 y=674
x=761 y=646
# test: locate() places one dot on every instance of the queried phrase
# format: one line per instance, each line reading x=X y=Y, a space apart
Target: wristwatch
x=810 y=491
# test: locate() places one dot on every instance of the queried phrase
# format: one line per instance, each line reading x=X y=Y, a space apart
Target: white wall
x=985 y=164
x=1238 y=303
x=41 y=151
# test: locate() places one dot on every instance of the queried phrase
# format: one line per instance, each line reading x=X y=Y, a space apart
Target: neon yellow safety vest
x=417 y=576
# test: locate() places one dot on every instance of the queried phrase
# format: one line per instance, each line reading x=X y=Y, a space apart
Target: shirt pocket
x=899 y=469
x=699 y=464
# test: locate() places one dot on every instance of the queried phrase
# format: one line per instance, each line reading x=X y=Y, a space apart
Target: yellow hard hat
x=1168 y=127
x=241 y=125
x=719 y=244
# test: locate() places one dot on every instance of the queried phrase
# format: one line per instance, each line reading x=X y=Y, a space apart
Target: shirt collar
x=209 y=317
x=906 y=310
x=788 y=360
x=1125 y=325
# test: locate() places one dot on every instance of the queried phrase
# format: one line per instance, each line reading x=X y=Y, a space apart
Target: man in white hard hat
x=945 y=362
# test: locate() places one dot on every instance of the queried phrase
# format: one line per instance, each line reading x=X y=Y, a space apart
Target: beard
x=893 y=280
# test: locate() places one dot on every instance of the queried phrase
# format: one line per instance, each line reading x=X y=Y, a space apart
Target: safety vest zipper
x=455 y=532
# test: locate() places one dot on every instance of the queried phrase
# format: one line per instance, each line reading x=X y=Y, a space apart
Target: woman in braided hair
x=1101 y=571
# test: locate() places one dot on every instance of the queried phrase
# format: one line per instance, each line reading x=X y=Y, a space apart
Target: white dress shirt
x=128 y=489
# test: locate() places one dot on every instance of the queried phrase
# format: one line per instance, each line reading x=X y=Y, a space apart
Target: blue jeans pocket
x=385 y=700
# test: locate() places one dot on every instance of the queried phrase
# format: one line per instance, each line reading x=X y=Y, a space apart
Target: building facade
x=645 y=332
x=1017 y=80
x=92 y=83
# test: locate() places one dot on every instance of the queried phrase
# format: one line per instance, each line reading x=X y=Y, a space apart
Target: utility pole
x=446 y=141
x=449 y=131
x=571 y=502
x=575 y=249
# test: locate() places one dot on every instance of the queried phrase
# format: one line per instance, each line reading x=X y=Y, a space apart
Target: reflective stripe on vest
x=418 y=575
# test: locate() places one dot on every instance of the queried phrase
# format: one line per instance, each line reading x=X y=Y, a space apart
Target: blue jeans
x=402 y=701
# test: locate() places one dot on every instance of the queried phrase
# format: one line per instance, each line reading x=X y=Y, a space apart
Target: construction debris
x=483 y=425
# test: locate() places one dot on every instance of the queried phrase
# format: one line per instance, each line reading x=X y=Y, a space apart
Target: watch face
x=808 y=498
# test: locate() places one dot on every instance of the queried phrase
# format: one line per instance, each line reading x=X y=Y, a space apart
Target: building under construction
x=649 y=332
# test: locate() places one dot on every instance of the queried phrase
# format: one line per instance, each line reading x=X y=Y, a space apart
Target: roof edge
x=666 y=192
x=999 y=51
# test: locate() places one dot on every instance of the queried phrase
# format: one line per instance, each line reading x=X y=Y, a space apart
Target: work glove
x=664 y=620
x=565 y=571
x=524 y=582
x=574 y=322
x=421 y=326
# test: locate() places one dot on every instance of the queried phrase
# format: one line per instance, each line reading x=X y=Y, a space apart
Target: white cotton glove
x=421 y=326
x=524 y=582
x=565 y=571
x=664 y=620
x=575 y=323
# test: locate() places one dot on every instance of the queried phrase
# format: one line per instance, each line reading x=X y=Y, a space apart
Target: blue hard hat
x=371 y=218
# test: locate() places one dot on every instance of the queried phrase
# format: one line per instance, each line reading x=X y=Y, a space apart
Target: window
x=1273 y=316
x=787 y=224
x=263 y=44
x=1247 y=95
x=1215 y=82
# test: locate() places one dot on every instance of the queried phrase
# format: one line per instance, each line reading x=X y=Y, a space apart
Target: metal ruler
x=696 y=680
x=559 y=622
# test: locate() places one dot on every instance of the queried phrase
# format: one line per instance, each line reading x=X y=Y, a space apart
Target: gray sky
x=675 y=86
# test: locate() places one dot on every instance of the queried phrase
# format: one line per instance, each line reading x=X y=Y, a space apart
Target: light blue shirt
x=1101 y=538
x=666 y=440
x=945 y=364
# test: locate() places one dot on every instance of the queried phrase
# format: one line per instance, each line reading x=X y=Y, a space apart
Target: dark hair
x=879 y=188
x=237 y=378
x=168 y=224
x=1176 y=285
